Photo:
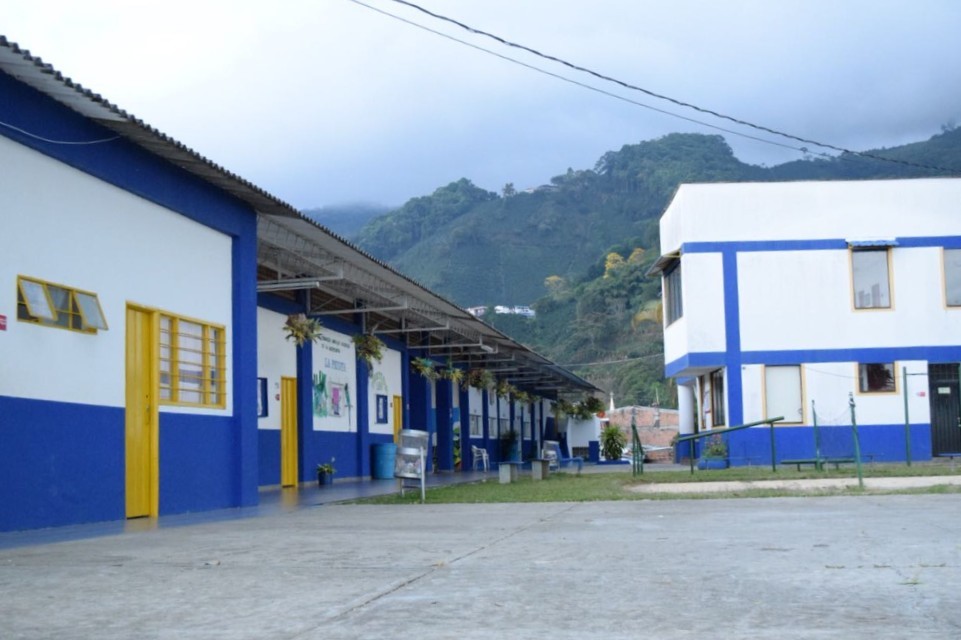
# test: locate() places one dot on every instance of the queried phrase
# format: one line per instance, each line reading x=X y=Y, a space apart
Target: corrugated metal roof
x=295 y=245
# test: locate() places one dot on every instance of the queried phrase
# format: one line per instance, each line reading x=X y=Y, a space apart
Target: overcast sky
x=324 y=102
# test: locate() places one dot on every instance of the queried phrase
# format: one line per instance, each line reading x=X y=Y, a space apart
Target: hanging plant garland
x=424 y=367
x=302 y=329
x=369 y=348
x=452 y=373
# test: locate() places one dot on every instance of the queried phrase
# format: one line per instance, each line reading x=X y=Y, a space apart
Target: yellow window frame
x=177 y=359
x=881 y=392
x=81 y=311
x=889 y=259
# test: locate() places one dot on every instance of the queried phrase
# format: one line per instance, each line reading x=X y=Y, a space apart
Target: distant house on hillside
x=799 y=299
x=519 y=310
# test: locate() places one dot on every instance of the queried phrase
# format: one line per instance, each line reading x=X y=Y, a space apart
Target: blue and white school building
x=801 y=299
x=144 y=366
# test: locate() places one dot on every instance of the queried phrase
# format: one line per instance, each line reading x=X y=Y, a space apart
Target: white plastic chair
x=480 y=456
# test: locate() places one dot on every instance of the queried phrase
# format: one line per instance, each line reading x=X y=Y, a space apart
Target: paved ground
x=834 y=567
x=880 y=484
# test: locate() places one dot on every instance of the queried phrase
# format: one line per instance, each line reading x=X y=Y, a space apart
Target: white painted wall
x=861 y=209
x=581 y=432
x=66 y=227
x=276 y=358
x=334 y=382
x=384 y=381
x=828 y=384
x=803 y=300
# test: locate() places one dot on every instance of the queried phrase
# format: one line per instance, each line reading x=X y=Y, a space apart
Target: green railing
x=707 y=434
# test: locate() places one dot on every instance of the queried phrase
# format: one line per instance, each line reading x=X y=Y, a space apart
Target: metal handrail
x=707 y=434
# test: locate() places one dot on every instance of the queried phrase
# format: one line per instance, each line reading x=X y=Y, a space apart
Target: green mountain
x=577 y=249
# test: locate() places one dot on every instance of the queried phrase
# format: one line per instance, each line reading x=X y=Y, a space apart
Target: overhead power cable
x=584 y=85
x=659 y=96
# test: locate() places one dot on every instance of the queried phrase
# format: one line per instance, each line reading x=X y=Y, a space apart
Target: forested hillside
x=577 y=249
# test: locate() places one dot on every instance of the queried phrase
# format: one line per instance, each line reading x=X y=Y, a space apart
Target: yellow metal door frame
x=141 y=440
x=398 y=417
x=288 y=432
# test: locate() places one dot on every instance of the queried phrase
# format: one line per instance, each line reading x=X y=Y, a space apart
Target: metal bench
x=819 y=463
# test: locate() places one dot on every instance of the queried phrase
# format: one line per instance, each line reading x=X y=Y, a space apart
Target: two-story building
x=810 y=300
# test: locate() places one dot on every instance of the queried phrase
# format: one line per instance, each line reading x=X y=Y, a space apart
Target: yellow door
x=288 y=432
x=142 y=460
x=398 y=417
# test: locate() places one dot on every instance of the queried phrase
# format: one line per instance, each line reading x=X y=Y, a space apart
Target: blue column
x=445 y=426
x=362 y=404
x=485 y=422
x=465 y=450
x=244 y=342
x=306 y=452
x=405 y=385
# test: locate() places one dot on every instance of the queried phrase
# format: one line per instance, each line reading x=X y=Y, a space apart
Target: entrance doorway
x=140 y=422
x=288 y=432
x=398 y=417
x=945 y=393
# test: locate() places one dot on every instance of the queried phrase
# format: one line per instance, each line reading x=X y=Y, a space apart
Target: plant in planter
x=452 y=373
x=302 y=329
x=713 y=454
x=592 y=404
x=325 y=472
x=504 y=388
x=480 y=379
x=612 y=442
x=424 y=367
x=369 y=348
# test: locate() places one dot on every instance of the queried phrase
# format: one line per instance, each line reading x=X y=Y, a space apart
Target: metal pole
x=907 y=420
x=857 y=442
x=817 y=438
x=773 y=452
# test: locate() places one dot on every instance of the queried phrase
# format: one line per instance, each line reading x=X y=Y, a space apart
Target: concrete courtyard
x=833 y=567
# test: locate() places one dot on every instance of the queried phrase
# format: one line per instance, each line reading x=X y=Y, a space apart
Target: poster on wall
x=261 y=397
x=385 y=382
x=381 y=409
x=335 y=369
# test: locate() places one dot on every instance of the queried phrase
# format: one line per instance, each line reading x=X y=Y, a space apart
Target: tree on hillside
x=509 y=191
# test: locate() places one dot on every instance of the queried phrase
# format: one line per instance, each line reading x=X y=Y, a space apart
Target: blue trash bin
x=382 y=463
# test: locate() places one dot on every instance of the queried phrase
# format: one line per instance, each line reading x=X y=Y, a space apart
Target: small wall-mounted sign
x=3 y=323
x=944 y=391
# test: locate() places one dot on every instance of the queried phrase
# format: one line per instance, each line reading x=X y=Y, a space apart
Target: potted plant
x=325 y=473
x=713 y=454
x=480 y=379
x=369 y=348
x=302 y=329
x=504 y=389
x=452 y=373
x=424 y=367
x=613 y=441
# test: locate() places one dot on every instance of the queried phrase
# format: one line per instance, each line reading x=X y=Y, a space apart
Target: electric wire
x=48 y=140
x=627 y=85
x=584 y=85
x=594 y=364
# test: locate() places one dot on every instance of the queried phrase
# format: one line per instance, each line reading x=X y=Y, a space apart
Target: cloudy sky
x=324 y=102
